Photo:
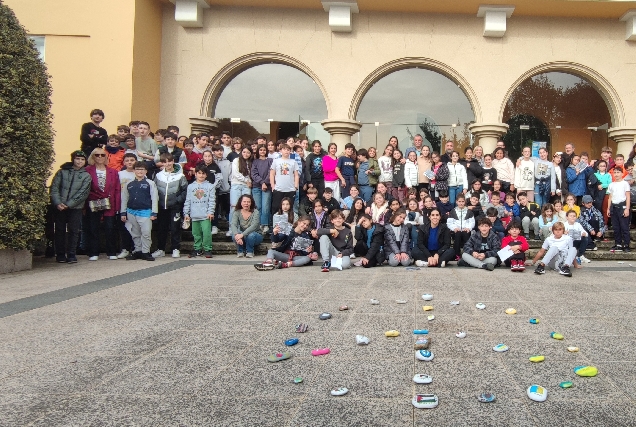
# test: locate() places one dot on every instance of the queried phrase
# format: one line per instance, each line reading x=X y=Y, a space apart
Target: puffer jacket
x=474 y=243
x=172 y=188
x=70 y=186
x=397 y=244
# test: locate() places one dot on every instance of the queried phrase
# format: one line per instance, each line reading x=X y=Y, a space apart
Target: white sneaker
x=123 y=254
x=93 y=258
x=158 y=253
x=240 y=255
x=584 y=259
x=112 y=257
x=442 y=264
x=215 y=230
x=249 y=255
x=228 y=233
x=352 y=256
x=265 y=229
x=176 y=253
x=421 y=263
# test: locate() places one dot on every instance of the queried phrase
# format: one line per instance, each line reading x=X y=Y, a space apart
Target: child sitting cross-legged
x=579 y=236
x=558 y=252
x=335 y=240
x=518 y=244
x=480 y=251
x=296 y=250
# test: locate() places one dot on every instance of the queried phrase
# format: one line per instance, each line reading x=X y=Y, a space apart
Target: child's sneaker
x=489 y=266
x=540 y=269
x=616 y=248
x=521 y=265
x=285 y=264
x=584 y=259
x=263 y=267
x=208 y=254
x=513 y=265
x=565 y=270
x=215 y=230
x=626 y=249
x=158 y=253
x=421 y=263
x=326 y=266
x=195 y=253
x=358 y=263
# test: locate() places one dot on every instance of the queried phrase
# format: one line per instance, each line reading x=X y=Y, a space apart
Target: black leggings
x=446 y=256
x=459 y=240
x=361 y=249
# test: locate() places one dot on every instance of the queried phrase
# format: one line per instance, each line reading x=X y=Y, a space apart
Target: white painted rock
x=422 y=379
x=460 y=334
x=427 y=297
x=425 y=401
x=340 y=391
x=537 y=393
x=424 y=355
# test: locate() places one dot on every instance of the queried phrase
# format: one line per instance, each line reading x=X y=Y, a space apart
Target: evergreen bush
x=26 y=136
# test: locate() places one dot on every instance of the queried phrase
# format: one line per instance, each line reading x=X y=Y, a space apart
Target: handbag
x=99 y=205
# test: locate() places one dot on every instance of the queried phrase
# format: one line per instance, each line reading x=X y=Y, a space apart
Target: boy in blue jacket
x=199 y=207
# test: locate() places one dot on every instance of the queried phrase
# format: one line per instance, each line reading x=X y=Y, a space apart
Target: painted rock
x=427 y=297
x=556 y=335
x=486 y=397
x=500 y=348
x=424 y=355
x=425 y=401
x=454 y=302
x=422 y=379
x=431 y=317
x=537 y=359
x=537 y=393
x=340 y=391
x=480 y=305
x=291 y=341
x=420 y=331
x=392 y=333
x=460 y=334
x=427 y=308
x=298 y=380
x=401 y=301
x=375 y=302
x=362 y=340
x=511 y=311
x=421 y=343
x=566 y=384
x=343 y=308
x=573 y=349
x=325 y=316
x=534 y=321
x=586 y=371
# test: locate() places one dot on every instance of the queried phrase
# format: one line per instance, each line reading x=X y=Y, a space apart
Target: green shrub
x=26 y=136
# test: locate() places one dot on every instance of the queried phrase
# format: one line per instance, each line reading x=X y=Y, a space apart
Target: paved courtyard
x=182 y=342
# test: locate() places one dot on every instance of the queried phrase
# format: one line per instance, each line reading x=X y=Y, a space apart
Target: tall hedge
x=26 y=136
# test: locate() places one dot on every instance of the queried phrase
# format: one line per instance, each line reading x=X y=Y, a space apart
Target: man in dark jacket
x=369 y=242
x=481 y=249
x=69 y=190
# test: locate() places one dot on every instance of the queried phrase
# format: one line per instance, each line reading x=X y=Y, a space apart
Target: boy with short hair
x=592 y=221
x=115 y=152
x=480 y=251
x=497 y=225
x=579 y=237
x=619 y=209
x=346 y=170
x=160 y=137
x=619 y=163
x=329 y=202
x=125 y=176
x=444 y=205
x=529 y=213
x=284 y=177
x=130 y=146
x=558 y=252
x=139 y=206
x=511 y=210
x=495 y=201
x=199 y=206
x=307 y=204
x=170 y=146
x=122 y=130
x=134 y=128
x=518 y=244
x=192 y=159
x=364 y=177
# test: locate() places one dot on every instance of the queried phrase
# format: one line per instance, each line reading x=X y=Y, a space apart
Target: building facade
x=359 y=71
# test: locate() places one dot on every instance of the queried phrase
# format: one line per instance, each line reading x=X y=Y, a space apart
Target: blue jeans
x=581 y=245
x=366 y=191
x=249 y=243
x=453 y=192
x=236 y=191
x=542 y=192
x=263 y=201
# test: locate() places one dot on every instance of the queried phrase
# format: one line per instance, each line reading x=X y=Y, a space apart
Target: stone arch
x=605 y=89
x=403 y=63
x=234 y=68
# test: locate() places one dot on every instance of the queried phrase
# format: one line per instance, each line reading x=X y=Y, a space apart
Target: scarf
x=370 y=235
x=112 y=150
x=378 y=212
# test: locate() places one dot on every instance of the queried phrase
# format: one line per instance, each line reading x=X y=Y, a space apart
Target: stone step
x=600 y=255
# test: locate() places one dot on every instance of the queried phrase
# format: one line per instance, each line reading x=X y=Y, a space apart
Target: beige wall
x=89 y=55
x=342 y=61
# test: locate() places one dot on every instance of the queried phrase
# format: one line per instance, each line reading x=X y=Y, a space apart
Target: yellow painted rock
x=537 y=359
x=392 y=333
x=573 y=349
x=427 y=307
x=511 y=311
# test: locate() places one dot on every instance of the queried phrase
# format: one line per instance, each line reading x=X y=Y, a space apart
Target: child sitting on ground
x=336 y=240
x=546 y=220
x=199 y=207
x=497 y=225
x=592 y=221
x=518 y=244
x=329 y=202
x=480 y=251
x=476 y=207
x=558 y=252
x=283 y=220
x=511 y=210
x=444 y=205
x=295 y=250
x=369 y=243
x=529 y=213
x=307 y=204
x=579 y=237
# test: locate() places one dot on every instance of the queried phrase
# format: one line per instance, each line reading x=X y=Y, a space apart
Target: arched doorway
x=411 y=101
x=276 y=100
x=556 y=108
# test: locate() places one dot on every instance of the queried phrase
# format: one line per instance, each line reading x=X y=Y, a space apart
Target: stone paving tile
x=189 y=347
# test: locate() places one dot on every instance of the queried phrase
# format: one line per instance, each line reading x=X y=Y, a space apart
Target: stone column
x=487 y=134
x=341 y=131
x=203 y=124
x=624 y=138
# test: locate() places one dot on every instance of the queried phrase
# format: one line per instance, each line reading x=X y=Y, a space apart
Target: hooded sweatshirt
x=200 y=200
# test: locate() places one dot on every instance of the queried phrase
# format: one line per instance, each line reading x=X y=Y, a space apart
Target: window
x=39 y=45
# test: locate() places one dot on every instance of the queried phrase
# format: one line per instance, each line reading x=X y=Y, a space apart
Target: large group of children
x=352 y=209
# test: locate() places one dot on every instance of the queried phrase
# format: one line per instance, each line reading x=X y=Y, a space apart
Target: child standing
x=139 y=207
x=199 y=207
x=518 y=244
x=410 y=170
x=125 y=176
x=364 y=178
x=558 y=252
x=618 y=210
x=397 y=189
x=346 y=170
x=115 y=153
